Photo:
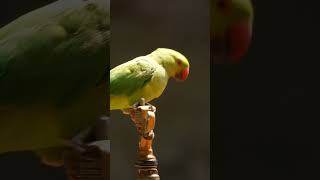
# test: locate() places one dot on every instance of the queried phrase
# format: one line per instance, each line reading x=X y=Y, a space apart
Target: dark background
x=181 y=141
x=10 y=10
x=266 y=109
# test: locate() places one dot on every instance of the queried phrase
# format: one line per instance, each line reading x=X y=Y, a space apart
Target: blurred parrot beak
x=183 y=75
x=239 y=40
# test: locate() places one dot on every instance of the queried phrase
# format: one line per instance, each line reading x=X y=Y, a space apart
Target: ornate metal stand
x=143 y=116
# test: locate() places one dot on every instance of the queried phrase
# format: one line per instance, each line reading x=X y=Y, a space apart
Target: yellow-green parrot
x=145 y=77
x=51 y=63
x=231 y=28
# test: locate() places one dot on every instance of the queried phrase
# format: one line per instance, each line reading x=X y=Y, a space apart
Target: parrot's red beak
x=239 y=40
x=183 y=74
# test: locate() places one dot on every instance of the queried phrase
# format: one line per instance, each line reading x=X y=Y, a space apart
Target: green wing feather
x=28 y=43
x=45 y=59
x=50 y=60
x=131 y=76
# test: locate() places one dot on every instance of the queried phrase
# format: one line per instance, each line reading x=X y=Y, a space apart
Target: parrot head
x=176 y=64
x=232 y=22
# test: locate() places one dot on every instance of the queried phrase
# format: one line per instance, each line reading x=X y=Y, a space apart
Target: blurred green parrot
x=145 y=77
x=231 y=28
x=51 y=63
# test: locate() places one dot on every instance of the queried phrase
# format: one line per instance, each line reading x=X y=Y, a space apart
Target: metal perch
x=91 y=163
x=143 y=116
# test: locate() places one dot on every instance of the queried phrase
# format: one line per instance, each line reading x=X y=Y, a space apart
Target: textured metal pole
x=143 y=116
x=147 y=171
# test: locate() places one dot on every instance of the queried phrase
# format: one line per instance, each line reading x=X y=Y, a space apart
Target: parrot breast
x=44 y=125
x=155 y=87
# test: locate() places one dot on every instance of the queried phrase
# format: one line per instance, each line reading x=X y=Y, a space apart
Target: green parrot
x=145 y=77
x=231 y=29
x=51 y=62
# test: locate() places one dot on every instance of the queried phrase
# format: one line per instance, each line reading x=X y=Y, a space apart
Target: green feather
x=50 y=62
x=130 y=77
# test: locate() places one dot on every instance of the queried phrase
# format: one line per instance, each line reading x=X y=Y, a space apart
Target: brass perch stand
x=143 y=116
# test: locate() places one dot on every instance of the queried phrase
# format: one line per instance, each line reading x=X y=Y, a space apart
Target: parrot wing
x=28 y=42
x=129 y=77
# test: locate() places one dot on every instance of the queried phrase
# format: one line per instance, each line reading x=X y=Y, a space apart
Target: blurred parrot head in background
x=231 y=29
x=176 y=64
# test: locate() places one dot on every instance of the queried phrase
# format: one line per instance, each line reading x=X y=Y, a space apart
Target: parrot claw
x=141 y=102
x=89 y=164
x=51 y=163
x=130 y=111
x=126 y=111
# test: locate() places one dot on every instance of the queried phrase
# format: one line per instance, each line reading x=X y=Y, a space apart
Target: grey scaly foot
x=90 y=153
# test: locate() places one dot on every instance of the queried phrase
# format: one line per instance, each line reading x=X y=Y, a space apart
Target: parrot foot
x=52 y=156
x=86 y=138
x=89 y=164
x=52 y=163
x=141 y=102
x=126 y=111
x=88 y=155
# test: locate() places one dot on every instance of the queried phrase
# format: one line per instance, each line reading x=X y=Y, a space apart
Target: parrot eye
x=179 y=62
